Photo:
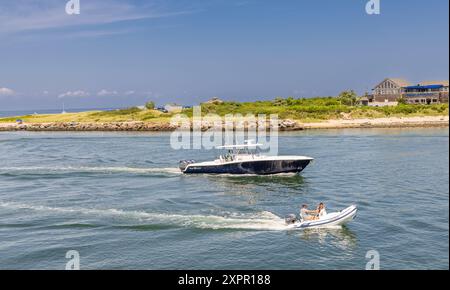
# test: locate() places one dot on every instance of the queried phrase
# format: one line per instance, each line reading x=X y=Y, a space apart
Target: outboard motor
x=185 y=163
x=291 y=219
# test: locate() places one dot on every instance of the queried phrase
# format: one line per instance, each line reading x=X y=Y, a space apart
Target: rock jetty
x=284 y=125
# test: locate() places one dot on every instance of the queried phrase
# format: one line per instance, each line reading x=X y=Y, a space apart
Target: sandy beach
x=286 y=125
x=392 y=122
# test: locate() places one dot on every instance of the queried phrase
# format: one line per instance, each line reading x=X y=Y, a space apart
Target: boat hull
x=263 y=167
x=332 y=219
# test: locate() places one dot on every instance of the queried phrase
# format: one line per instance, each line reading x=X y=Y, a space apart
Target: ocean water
x=119 y=200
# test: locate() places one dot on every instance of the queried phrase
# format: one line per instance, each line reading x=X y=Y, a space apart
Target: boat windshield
x=236 y=153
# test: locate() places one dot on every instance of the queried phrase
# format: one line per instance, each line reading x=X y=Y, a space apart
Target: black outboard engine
x=291 y=219
x=185 y=163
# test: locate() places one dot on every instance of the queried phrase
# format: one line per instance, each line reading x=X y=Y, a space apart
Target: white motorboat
x=246 y=159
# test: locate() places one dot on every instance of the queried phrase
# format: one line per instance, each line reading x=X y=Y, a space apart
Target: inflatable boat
x=329 y=220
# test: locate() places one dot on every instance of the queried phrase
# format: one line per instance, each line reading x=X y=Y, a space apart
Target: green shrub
x=150 y=105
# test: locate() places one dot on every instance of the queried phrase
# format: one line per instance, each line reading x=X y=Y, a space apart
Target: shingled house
x=432 y=92
x=391 y=90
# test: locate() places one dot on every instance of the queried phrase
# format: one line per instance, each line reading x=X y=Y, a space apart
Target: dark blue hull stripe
x=263 y=167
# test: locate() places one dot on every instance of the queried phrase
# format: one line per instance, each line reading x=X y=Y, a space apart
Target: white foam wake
x=86 y=169
x=257 y=221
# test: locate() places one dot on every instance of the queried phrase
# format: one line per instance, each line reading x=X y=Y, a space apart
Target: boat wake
x=86 y=169
x=262 y=221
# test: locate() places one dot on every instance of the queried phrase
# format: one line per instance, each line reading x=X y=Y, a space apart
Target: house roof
x=398 y=81
x=214 y=100
x=429 y=87
x=430 y=83
x=404 y=83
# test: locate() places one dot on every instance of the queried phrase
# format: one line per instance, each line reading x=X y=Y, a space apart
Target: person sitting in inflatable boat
x=309 y=215
x=321 y=211
x=306 y=214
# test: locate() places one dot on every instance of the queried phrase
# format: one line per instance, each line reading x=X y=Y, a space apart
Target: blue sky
x=122 y=52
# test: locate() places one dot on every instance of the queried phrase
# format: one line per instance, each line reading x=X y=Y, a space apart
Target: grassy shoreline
x=318 y=111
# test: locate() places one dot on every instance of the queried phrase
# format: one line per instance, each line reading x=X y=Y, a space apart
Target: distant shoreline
x=15 y=113
x=286 y=125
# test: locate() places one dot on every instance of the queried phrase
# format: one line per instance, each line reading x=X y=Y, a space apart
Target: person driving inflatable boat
x=305 y=213
x=308 y=215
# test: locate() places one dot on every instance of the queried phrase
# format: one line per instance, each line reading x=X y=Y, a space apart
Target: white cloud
x=99 y=33
x=130 y=93
x=28 y=15
x=107 y=93
x=78 y=93
x=6 y=92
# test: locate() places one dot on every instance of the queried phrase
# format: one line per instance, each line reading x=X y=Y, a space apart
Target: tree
x=150 y=105
x=348 y=98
